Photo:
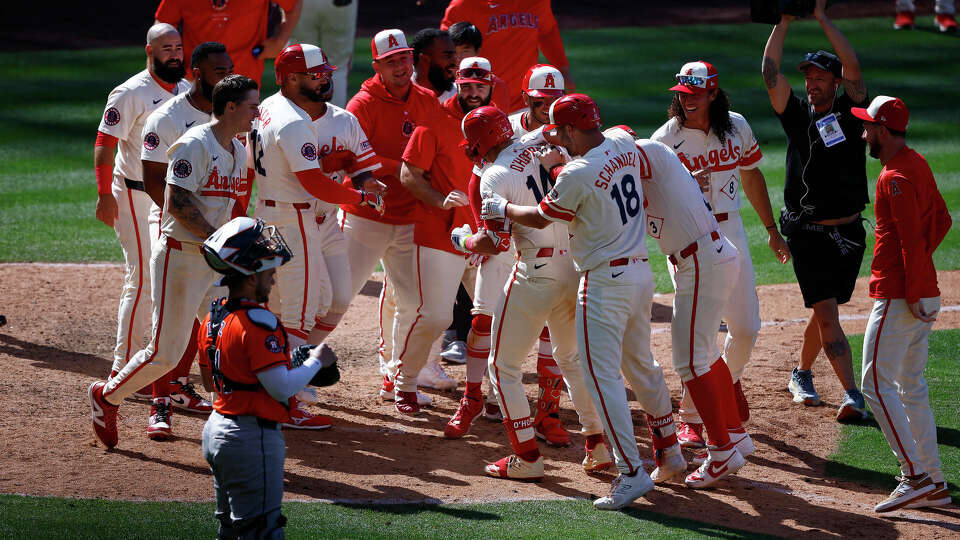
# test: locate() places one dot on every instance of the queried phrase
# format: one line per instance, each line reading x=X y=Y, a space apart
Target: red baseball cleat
x=104 y=415
x=904 y=21
x=459 y=425
x=551 y=430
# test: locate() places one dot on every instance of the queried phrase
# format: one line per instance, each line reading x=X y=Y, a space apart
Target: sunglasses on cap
x=693 y=80
x=474 y=73
x=316 y=76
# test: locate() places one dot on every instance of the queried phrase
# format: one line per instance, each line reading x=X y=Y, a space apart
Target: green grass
x=49 y=518
x=48 y=120
x=863 y=453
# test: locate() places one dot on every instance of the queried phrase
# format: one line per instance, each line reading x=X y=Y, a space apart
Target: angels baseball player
x=599 y=196
x=206 y=176
x=122 y=202
x=163 y=127
x=541 y=289
x=703 y=261
x=717 y=144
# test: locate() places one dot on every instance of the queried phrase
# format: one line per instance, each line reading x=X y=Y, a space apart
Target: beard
x=171 y=71
x=315 y=96
x=874 y=149
x=326 y=91
x=206 y=89
x=467 y=107
x=262 y=292
x=438 y=78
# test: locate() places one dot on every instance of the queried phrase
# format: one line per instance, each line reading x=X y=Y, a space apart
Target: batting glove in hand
x=459 y=235
x=300 y=354
x=493 y=207
x=373 y=200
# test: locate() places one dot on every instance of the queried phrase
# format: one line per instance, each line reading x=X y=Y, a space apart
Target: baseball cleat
x=433 y=376
x=184 y=396
x=104 y=415
x=456 y=353
x=514 y=467
x=597 y=459
x=741 y=441
x=853 y=408
x=387 y=393
x=720 y=463
x=905 y=21
x=742 y=406
x=491 y=411
x=670 y=465
x=945 y=22
x=940 y=496
x=160 y=427
x=551 y=430
x=406 y=403
x=910 y=489
x=459 y=425
x=801 y=386
x=301 y=418
x=690 y=434
x=624 y=490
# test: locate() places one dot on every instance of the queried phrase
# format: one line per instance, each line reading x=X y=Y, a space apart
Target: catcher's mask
x=245 y=246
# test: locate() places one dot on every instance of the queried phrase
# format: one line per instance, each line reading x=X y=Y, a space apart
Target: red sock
x=710 y=406
x=594 y=440
x=474 y=390
x=724 y=389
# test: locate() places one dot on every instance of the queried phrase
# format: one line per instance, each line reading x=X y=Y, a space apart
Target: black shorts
x=826 y=259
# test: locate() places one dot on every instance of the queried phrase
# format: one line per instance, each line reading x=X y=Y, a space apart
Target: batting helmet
x=301 y=58
x=484 y=128
x=577 y=110
x=543 y=80
x=245 y=246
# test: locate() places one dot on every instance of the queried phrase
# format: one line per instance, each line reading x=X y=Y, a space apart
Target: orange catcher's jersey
x=245 y=348
x=516 y=175
x=215 y=176
x=677 y=213
x=127 y=109
x=698 y=150
x=600 y=197
x=284 y=143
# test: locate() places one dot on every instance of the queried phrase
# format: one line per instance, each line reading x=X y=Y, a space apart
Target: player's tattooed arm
x=183 y=207
x=855 y=90
x=771 y=72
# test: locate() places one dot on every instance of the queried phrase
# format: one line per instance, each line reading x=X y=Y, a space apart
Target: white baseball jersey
x=215 y=176
x=128 y=106
x=600 y=197
x=167 y=124
x=697 y=150
x=338 y=130
x=516 y=122
x=516 y=175
x=284 y=143
x=677 y=213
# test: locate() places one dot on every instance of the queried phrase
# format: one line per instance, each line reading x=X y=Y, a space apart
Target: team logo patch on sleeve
x=365 y=145
x=309 y=151
x=151 y=141
x=111 y=116
x=273 y=344
x=554 y=194
x=182 y=168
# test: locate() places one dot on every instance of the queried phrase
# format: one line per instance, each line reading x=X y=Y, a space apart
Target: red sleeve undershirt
x=326 y=189
x=104 y=173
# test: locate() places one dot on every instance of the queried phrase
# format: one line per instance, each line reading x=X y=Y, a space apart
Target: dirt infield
x=59 y=339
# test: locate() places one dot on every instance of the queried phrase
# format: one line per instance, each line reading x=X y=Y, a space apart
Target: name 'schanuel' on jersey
x=624 y=159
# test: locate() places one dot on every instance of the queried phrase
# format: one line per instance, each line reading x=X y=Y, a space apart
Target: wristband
x=104 y=174
x=774 y=226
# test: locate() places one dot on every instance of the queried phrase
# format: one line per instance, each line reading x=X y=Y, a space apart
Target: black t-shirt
x=821 y=182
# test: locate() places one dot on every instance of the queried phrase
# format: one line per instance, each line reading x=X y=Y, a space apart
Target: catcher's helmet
x=301 y=58
x=543 y=80
x=577 y=110
x=245 y=246
x=484 y=128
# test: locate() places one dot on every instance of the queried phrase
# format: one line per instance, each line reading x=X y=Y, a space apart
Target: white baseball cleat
x=940 y=496
x=671 y=466
x=740 y=439
x=433 y=376
x=720 y=463
x=514 y=467
x=456 y=353
x=624 y=490
x=909 y=490
x=597 y=459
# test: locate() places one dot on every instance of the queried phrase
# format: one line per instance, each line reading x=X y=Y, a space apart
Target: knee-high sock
x=702 y=390
x=478 y=347
x=322 y=326
x=550 y=378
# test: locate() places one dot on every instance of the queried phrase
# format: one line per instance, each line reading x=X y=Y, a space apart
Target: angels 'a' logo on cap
x=392 y=41
x=151 y=141
x=182 y=168
x=549 y=83
x=111 y=117
x=309 y=151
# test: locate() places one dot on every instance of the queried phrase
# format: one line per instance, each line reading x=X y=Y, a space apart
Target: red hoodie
x=389 y=122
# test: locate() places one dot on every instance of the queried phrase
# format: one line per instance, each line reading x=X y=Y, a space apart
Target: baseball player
x=255 y=377
x=719 y=148
x=542 y=288
x=331 y=24
x=122 y=202
x=600 y=198
x=704 y=262
x=163 y=127
x=301 y=200
x=912 y=220
x=467 y=40
x=389 y=107
x=435 y=63
x=542 y=85
x=206 y=177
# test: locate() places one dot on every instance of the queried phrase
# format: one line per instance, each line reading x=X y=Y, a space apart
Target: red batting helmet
x=484 y=128
x=301 y=58
x=543 y=80
x=577 y=110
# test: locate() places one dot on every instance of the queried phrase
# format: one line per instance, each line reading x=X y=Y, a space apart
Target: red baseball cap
x=388 y=42
x=696 y=78
x=887 y=111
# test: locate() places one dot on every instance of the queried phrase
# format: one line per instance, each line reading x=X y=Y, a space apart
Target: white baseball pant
x=183 y=289
x=894 y=357
x=133 y=317
x=939 y=6
x=613 y=335
x=540 y=289
x=333 y=28
x=491 y=277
